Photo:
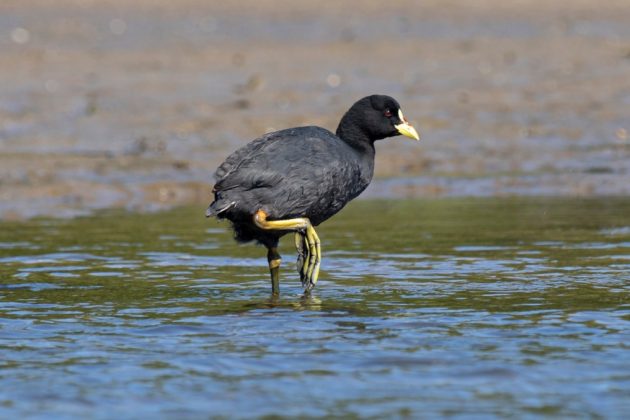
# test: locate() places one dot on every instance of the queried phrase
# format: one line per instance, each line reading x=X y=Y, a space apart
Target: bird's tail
x=217 y=207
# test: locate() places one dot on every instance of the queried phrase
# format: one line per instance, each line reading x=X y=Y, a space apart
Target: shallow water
x=504 y=307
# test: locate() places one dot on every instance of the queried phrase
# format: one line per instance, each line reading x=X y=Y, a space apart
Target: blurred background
x=117 y=103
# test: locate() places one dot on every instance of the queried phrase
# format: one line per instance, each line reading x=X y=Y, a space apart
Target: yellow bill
x=405 y=128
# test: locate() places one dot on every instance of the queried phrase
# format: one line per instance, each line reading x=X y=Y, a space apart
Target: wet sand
x=107 y=104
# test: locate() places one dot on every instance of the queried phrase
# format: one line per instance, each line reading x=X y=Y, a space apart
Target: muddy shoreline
x=106 y=104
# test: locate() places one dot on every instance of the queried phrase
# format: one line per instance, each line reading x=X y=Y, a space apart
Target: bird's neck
x=354 y=137
x=363 y=147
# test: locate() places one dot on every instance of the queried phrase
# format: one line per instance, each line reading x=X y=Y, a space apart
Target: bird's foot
x=306 y=242
x=302 y=254
x=310 y=261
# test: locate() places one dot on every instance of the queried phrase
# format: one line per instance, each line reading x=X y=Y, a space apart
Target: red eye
x=388 y=113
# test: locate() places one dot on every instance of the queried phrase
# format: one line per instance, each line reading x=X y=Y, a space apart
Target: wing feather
x=289 y=173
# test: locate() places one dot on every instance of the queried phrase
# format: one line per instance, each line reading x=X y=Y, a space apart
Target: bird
x=292 y=180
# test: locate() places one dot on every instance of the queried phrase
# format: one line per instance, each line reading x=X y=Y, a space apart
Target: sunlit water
x=489 y=307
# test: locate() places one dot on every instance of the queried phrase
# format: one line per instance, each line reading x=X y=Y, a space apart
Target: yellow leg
x=309 y=249
x=315 y=253
x=273 y=257
x=302 y=250
x=260 y=219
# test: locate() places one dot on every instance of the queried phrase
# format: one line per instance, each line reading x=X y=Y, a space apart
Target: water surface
x=491 y=307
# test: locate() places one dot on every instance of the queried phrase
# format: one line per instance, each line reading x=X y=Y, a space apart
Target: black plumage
x=303 y=172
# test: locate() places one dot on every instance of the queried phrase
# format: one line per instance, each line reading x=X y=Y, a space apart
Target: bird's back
x=298 y=172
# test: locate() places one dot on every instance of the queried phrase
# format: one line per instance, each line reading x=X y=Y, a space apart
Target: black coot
x=294 y=179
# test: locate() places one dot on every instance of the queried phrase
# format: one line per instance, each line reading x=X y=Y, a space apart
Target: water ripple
x=458 y=321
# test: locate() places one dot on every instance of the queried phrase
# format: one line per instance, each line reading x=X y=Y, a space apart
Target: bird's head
x=377 y=117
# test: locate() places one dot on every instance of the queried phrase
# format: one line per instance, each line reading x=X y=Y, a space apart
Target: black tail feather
x=217 y=207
